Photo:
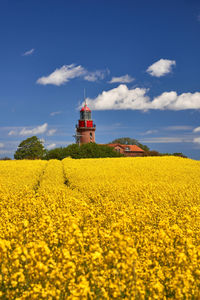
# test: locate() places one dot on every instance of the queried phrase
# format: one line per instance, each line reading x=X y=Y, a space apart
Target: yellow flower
x=100 y=228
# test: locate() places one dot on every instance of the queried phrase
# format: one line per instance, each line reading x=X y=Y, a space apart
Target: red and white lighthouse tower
x=85 y=130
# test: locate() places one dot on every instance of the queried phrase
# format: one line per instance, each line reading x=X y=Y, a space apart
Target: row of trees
x=33 y=148
x=90 y=150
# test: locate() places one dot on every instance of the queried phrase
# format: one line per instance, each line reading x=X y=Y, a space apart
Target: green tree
x=73 y=151
x=5 y=158
x=60 y=153
x=56 y=153
x=130 y=141
x=93 y=150
x=179 y=154
x=153 y=153
x=31 y=148
x=89 y=150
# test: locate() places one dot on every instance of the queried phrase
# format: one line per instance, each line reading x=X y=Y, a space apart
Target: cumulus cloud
x=197 y=129
x=62 y=75
x=68 y=72
x=161 y=67
x=122 y=97
x=172 y=101
x=29 y=52
x=51 y=146
x=122 y=79
x=37 y=130
x=32 y=131
x=51 y=132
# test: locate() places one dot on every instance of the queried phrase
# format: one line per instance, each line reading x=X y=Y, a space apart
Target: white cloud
x=94 y=76
x=29 y=52
x=178 y=127
x=23 y=131
x=196 y=140
x=150 y=132
x=42 y=141
x=120 y=98
x=51 y=146
x=157 y=140
x=161 y=67
x=37 y=130
x=122 y=79
x=62 y=75
x=12 y=132
x=2 y=145
x=136 y=99
x=172 y=101
x=54 y=113
x=51 y=132
x=67 y=72
x=197 y=129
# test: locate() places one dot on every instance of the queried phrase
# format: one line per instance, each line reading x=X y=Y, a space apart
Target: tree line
x=33 y=148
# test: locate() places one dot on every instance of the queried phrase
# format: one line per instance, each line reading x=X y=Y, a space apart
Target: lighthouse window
x=85 y=115
x=82 y=115
x=90 y=135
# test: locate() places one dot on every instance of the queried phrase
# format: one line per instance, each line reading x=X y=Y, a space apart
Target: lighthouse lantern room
x=85 y=130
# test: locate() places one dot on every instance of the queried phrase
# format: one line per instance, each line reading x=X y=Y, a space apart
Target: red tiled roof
x=133 y=148
x=114 y=145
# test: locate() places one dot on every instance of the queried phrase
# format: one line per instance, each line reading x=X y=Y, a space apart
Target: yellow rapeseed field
x=114 y=228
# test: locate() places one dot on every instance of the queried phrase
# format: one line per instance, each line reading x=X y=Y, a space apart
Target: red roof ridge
x=134 y=148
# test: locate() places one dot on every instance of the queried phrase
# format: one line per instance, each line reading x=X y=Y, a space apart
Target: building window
x=91 y=135
x=127 y=148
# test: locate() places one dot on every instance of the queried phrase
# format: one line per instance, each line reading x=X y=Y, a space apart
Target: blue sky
x=138 y=61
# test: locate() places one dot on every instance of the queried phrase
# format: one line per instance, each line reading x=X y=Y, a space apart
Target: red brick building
x=127 y=150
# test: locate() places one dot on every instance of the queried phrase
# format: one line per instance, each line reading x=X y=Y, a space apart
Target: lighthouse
x=85 y=129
